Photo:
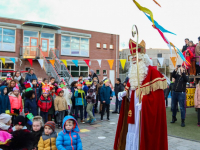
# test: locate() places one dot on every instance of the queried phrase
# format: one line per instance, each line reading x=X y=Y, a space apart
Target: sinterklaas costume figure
x=152 y=129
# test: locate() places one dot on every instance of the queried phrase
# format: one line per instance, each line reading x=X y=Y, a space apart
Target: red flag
x=30 y=61
x=87 y=61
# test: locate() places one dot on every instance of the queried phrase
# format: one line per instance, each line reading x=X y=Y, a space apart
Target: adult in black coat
x=186 y=45
x=119 y=87
x=92 y=75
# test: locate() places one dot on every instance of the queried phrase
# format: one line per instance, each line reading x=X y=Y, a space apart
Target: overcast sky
x=113 y=16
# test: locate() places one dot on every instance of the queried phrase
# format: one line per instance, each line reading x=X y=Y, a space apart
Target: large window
x=7 y=39
x=77 y=71
x=9 y=66
x=28 y=35
x=74 y=46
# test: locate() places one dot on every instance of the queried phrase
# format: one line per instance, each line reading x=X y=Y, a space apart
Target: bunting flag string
x=123 y=62
x=41 y=62
x=161 y=60
x=13 y=60
x=87 y=61
x=75 y=62
x=30 y=61
x=64 y=62
x=173 y=59
x=110 y=62
x=99 y=61
x=52 y=62
x=3 y=60
x=159 y=26
x=146 y=10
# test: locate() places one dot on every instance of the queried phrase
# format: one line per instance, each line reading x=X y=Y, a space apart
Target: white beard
x=143 y=70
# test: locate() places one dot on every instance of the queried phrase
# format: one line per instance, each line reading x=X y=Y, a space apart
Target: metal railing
x=65 y=72
x=29 y=52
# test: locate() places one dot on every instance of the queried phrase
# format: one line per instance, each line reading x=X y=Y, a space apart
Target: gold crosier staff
x=135 y=32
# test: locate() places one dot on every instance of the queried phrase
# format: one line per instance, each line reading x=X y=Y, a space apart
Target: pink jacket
x=192 y=49
x=197 y=97
x=15 y=102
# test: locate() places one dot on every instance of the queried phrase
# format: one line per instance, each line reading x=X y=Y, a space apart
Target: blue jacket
x=80 y=98
x=69 y=140
x=85 y=89
x=29 y=77
x=30 y=106
x=38 y=91
x=105 y=94
x=4 y=100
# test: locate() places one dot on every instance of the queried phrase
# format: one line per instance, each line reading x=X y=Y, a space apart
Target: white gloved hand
x=121 y=95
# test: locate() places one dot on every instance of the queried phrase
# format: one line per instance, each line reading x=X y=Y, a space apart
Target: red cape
x=153 y=135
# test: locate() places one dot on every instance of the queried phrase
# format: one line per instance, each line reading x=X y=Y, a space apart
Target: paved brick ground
x=101 y=135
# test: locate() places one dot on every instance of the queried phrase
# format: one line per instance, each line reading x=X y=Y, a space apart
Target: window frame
x=70 y=49
x=112 y=47
x=1 y=65
x=79 y=71
x=99 y=72
x=14 y=50
x=106 y=46
x=105 y=74
x=99 y=45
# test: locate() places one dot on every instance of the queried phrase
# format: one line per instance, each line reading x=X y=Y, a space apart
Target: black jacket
x=180 y=82
x=184 y=48
x=118 y=88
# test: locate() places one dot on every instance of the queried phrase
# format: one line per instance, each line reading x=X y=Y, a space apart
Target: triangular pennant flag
x=111 y=61
x=75 y=62
x=64 y=62
x=123 y=62
x=41 y=62
x=87 y=61
x=30 y=61
x=52 y=62
x=99 y=61
x=173 y=59
x=3 y=60
x=13 y=60
x=161 y=60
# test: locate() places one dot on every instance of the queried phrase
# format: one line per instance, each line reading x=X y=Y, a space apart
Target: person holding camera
x=178 y=94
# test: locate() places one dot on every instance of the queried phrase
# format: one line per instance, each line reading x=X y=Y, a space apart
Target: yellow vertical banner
x=3 y=60
x=64 y=62
x=110 y=62
x=123 y=62
x=52 y=62
x=174 y=59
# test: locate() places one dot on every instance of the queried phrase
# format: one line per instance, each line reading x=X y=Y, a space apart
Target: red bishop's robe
x=153 y=134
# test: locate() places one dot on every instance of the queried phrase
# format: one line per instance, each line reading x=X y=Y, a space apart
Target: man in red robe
x=148 y=129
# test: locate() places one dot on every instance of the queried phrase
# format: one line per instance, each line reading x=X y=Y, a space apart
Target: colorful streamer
x=159 y=26
x=162 y=35
x=146 y=10
x=156 y=3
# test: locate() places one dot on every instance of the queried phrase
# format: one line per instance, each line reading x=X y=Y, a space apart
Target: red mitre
x=132 y=47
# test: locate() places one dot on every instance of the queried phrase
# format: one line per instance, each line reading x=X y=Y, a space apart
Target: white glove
x=121 y=95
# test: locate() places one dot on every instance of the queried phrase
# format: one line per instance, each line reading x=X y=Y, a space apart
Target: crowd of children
x=54 y=105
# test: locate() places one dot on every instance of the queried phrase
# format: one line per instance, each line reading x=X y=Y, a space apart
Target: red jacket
x=188 y=58
x=44 y=104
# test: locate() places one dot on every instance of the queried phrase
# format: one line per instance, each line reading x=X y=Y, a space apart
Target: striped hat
x=51 y=124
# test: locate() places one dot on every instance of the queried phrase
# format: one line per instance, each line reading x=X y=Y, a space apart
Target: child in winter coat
x=37 y=130
x=45 y=102
x=37 y=89
x=192 y=47
x=79 y=101
x=30 y=103
x=5 y=122
x=51 y=111
x=69 y=138
x=60 y=105
x=4 y=99
x=15 y=102
x=188 y=56
x=106 y=96
x=48 y=139
x=91 y=100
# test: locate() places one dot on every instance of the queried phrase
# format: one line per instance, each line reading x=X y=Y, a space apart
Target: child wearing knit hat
x=48 y=138
x=5 y=122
